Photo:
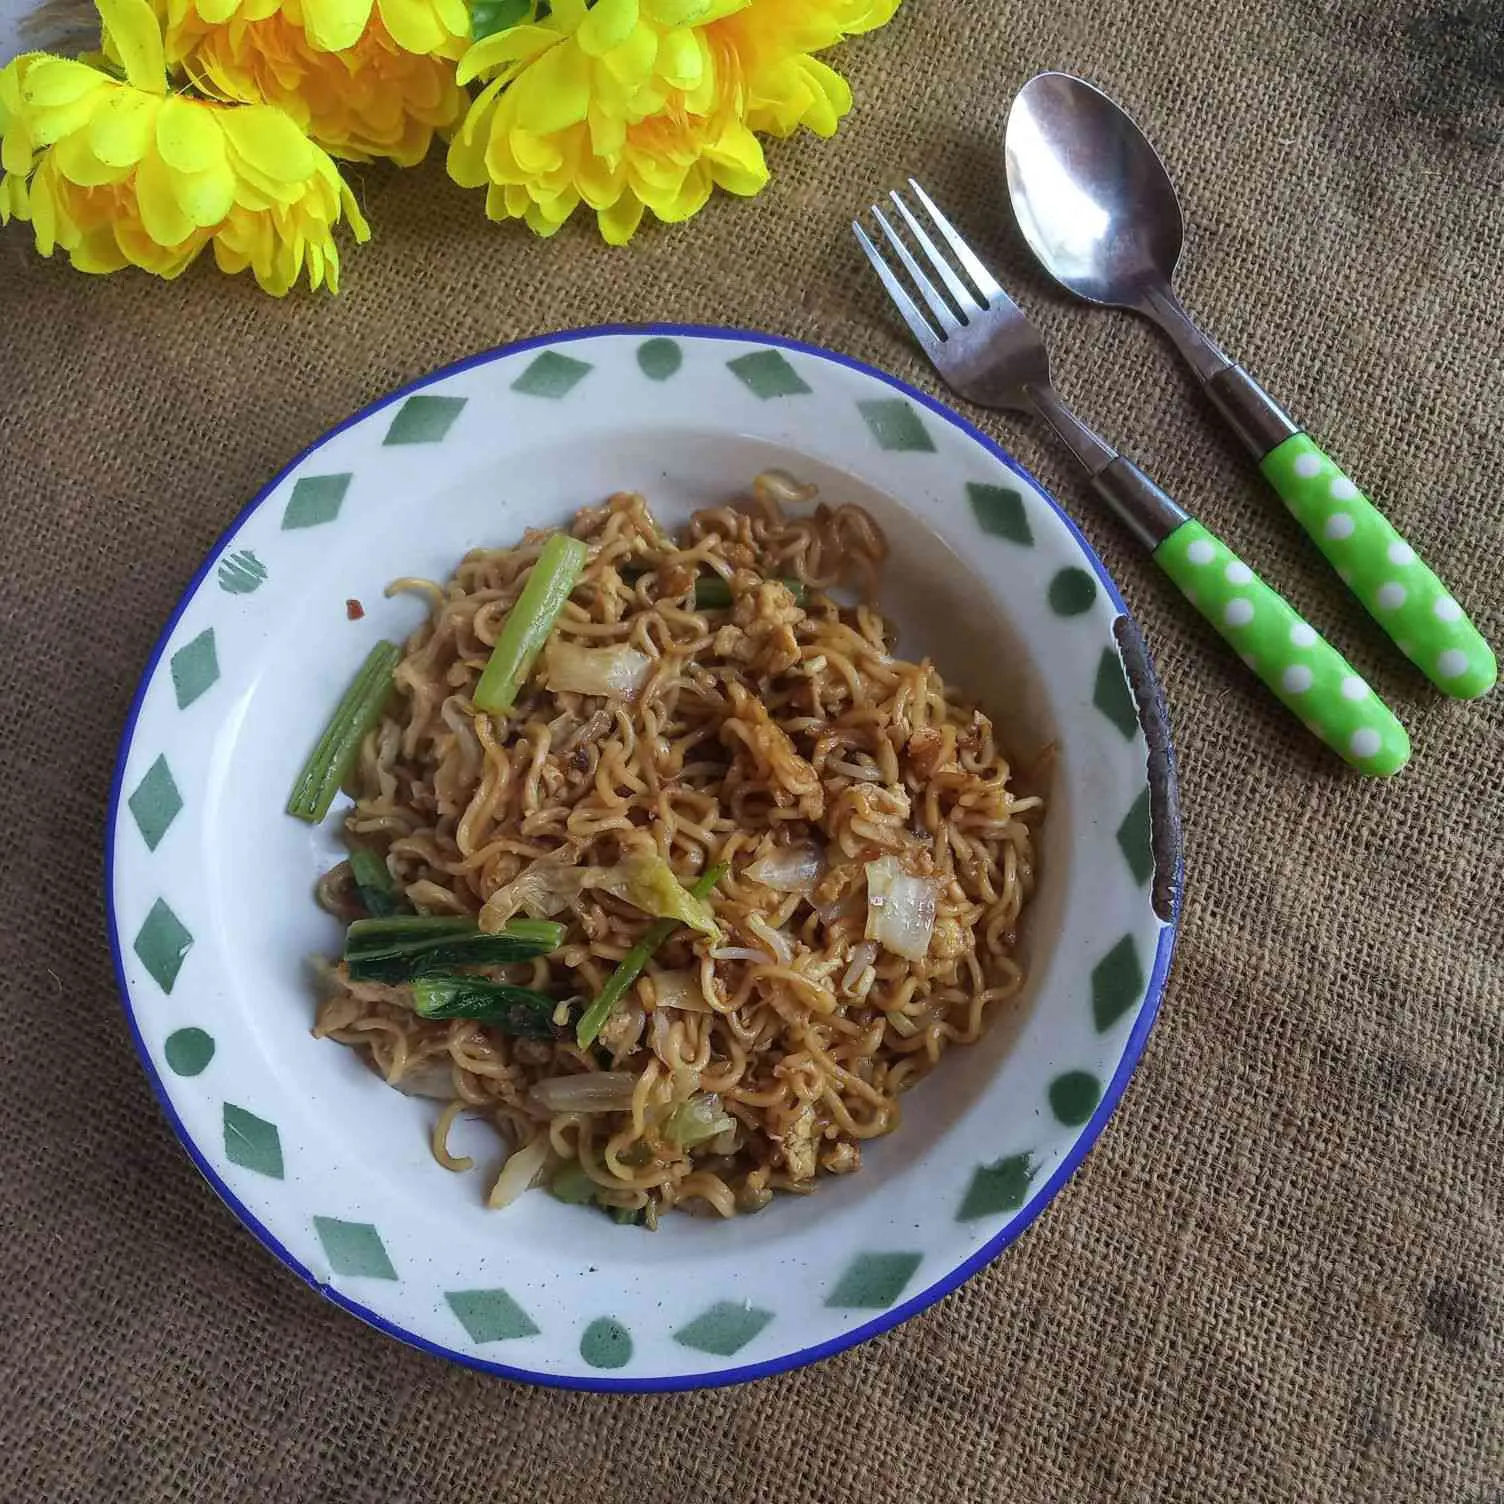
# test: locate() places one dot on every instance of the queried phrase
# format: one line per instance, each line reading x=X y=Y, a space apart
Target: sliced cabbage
x=789 y=869
x=681 y=990
x=593 y=1091
x=697 y=1120
x=648 y=882
x=619 y=672
x=644 y=880
x=900 y=909
x=518 y=1174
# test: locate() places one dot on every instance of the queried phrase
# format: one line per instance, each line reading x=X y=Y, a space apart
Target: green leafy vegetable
x=712 y=593
x=335 y=751
x=373 y=882
x=512 y=1010
x=529 y=622
x=628 y=1216
x=648 y=882
x=572 y=1184
x=405 y=946
x=697 y=1120
x=593 y=1020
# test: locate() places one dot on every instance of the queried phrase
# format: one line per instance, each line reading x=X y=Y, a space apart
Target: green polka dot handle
x=1305 y=673
x=1382 y=570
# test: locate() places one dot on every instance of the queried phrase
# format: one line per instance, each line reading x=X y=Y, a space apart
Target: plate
x=212 y=918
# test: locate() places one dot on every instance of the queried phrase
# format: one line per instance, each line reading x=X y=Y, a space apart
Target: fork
x=986 y=350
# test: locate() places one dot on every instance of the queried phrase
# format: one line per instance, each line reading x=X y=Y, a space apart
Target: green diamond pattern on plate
x=1112 y=695
x=188 y=1051
x=354 y=1248
x=659 y=359
x=895 y=425
x=1000 y=511
x=873 y=1281
x=1074 y=1097
x=1136 y=839
x=1117 y=983
x=155 y=804
x=726 y=1328
x=424 y=420
x=242 y=573
x=606 y=1344
x=252 y=1142
x=767 y=374
x=194 y=668
x=161 y=943
x=315 y=500
x=1072 y=592
x=1001 y=1187
x=552 y=375
x=490 y=1315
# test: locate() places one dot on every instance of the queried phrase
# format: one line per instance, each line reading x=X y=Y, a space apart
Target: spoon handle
x=1417 y=611
x=1304 y=672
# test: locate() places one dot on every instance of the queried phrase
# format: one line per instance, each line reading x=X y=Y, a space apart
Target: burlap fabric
x=1281 y=1273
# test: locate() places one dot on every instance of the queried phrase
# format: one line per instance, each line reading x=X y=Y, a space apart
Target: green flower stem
x=1382 y=570
x=1305 y=673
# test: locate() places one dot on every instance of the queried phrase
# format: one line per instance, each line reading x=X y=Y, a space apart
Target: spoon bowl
x=1098 y=209
x=1092 y=197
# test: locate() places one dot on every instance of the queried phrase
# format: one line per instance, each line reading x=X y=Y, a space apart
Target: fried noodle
x=767 y=730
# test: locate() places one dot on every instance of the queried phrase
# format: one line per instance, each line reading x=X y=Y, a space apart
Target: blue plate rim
x=670 y=1383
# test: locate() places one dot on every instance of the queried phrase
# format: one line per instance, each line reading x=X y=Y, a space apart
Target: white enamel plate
x=210 y=884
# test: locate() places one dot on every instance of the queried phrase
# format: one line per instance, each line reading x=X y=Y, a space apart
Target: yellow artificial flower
x=383 y=93
x=124 y=173
x=437 y=27
x=634 y=105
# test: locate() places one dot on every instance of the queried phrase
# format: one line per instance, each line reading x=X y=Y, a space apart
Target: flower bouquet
x=193 y=124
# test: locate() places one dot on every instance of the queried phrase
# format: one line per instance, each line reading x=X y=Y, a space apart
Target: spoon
x=1098 y=209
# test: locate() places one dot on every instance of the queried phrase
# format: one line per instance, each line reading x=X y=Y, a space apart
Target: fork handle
x=1304 y=672
x=1308 y=676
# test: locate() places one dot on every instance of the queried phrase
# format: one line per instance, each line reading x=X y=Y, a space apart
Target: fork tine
x=965 y=298
x=986 y=283
x=944 y=315
x=919 y=326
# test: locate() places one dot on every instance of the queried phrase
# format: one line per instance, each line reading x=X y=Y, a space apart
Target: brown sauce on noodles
x=770 y=735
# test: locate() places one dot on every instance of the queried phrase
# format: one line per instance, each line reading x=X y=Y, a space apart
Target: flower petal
x=618 y=223
x=52 y=81
x=554 y=92
x=608 y=134
x=737 y=161
x=77 y=162
x=188 y=135
x=269 y=142
x=206 y=197
x=413 y=27
x=608 y=24
x=502 y=49
x=98 y=252
x=43 y=216
x=545 y=219
x=692 y=12
x=335 y=24
x=535 y=155
x=136 y=36
x=122 y=127
x=682 y=59
x=162 y=217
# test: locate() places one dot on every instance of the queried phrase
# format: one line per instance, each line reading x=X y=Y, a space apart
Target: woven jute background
x=1280 y=1275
